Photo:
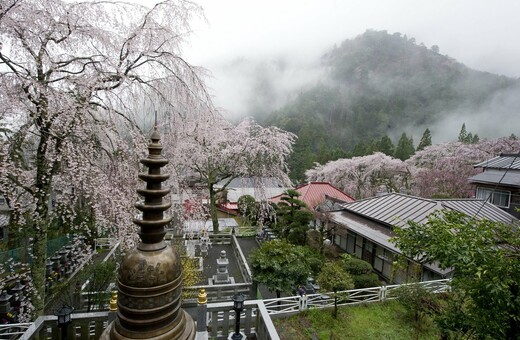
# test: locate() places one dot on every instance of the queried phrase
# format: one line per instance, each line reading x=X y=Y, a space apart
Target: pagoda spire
x=150 y=275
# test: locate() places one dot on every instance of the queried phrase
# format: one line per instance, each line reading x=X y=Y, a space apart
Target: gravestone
x=222 y=276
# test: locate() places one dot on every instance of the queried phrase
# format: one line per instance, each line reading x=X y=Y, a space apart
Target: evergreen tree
x=280 y=266
x=463 y=134
x=360 y=149
x=365 y=148
x=386 y=146
x=404 y=148
x=301 y=159
x=293 y=218
x=467 y=138
x=426 y=140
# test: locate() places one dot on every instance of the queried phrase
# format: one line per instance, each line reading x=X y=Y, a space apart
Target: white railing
x=82 y=326
x=255 y=318
x=284 y=305
x=242 y=261
x=105 y=243
x=13 y=331
x=294 y=304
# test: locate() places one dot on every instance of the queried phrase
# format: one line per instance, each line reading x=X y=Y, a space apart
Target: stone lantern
x=5 y=305
x=17 y=291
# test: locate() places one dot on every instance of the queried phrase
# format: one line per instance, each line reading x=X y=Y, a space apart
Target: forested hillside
x=379 y=85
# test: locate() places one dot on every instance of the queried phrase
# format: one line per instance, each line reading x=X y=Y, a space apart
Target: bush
x=361 y=272
x=314 y=259
x=356 y=266
x=366 y=280
x=417 y=300
x=248 y=208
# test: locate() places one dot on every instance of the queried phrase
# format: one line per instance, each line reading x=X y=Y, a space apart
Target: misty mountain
x=380 y=84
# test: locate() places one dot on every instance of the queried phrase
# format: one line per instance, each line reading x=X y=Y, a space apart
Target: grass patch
x=368 y=321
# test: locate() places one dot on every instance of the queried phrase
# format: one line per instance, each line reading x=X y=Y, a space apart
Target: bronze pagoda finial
x=150 y=275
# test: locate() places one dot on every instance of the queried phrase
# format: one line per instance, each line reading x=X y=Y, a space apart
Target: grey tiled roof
x=393 y=209
x=369 y=229
x=510 y=178
x=504 y=161
x=374 y=217
x=478 y=208
x=375 y=232
x=397 y=209
x=252 y=182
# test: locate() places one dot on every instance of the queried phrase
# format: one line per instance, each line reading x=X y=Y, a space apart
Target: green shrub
x=417 y=300
x=314 y=259
x=248 y=208
x=366 y=280
x=356 y=266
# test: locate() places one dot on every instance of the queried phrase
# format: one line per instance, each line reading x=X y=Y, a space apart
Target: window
x=2 y=201
x=383 y=261
x=499 y=198
x=351 y=240
x=341 y=241
x=359 y=246
x=337 y=239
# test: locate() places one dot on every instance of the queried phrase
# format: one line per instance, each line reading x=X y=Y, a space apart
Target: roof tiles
x=504 y=161
x=314 y=193
x=397 y=209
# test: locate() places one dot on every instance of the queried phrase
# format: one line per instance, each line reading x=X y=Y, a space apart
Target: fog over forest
x=261 y=55
x=257 y=87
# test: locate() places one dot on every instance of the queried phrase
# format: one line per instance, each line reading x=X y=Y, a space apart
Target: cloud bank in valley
x=261 y=52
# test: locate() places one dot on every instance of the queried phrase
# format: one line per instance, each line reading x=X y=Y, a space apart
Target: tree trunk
x=335 y=305
x=213 y=207
x=40 y=223
x=38 y=267
x=513 y=331
x=39 y=254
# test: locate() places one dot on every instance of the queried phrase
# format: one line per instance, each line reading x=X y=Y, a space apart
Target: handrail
x=256 y=315
x=248 y=276
x=7 y=331
x=293 y=304
x=45 y=325
x=255 y=319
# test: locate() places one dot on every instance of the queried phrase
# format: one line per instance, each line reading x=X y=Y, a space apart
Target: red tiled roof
x=313 y=193
x=230 y=208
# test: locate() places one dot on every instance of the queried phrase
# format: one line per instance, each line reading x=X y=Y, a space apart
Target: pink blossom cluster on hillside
x=440 y=170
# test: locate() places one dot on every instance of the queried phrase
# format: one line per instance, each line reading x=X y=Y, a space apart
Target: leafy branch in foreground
x=485 y=258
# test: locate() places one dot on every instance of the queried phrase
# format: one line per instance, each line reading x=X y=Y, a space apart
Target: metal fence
x=294 y=304
x=255 y=318
x=58 y=243
x=23 y=254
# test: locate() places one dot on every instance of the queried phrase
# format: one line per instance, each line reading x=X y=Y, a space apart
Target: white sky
x=482 y=34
